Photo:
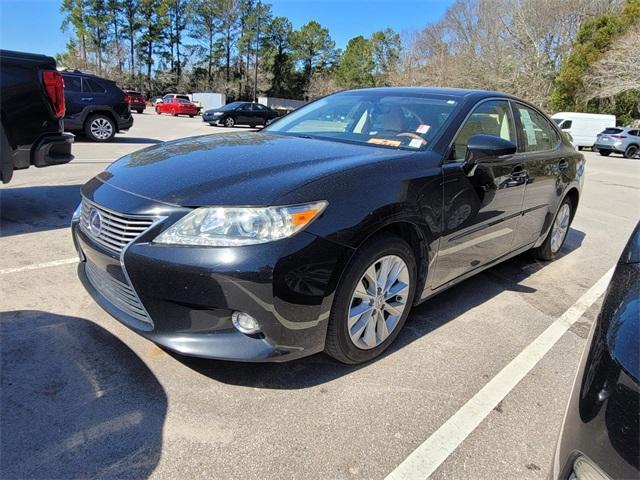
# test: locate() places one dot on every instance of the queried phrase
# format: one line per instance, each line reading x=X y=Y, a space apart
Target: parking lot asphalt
x=82 y=396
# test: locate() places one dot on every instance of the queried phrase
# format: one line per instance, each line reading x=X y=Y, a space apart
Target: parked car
x=136 y=100
x=176 y=105
x=618 y=140
x=318 y=234
x=599 y=439
x=31 y=107
x=583 y=127
x=96 y=107
x=240 y=113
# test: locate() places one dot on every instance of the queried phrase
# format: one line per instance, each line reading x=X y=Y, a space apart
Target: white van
x=583 y=127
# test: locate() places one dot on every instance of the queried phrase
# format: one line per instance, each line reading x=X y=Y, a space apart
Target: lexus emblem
x=95 y=222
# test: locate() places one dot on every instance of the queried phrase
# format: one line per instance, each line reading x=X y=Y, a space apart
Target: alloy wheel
x=101 y=128
x=378 y=301
x=560 y=227
x=229 y=122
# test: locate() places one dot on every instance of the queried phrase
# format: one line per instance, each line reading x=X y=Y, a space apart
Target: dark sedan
x=600 y=436
x=240 y=113
x=322 y=231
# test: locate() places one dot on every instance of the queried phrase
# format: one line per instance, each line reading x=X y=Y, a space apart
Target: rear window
x=612 y=131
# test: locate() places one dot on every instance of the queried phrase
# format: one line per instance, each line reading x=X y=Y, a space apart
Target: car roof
x=450 y=92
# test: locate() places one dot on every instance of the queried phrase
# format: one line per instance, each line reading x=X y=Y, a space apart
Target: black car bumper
x=190 y=293
x=53 y=150
x=211 y=118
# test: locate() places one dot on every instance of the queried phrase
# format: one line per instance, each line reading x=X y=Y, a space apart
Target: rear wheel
x=99 y=128
x=605 y=153
x=191 y=116
x=558 y=233
x=372 y=301
x=229 y=122
x=631 y=151
x=139 y=110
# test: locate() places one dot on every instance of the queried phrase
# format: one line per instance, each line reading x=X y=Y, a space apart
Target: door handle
x=563 y=164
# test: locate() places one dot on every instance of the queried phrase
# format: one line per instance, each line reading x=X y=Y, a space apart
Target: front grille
x=120 y=294
x=115 y=230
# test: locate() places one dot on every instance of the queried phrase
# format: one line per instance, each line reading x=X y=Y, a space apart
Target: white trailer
x=209 y=100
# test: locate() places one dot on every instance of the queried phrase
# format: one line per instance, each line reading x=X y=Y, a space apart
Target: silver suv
x=619 y=140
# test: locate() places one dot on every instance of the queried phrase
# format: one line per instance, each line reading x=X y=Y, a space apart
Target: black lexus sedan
x=240 y=113
x=321 y=231
x=600 y=436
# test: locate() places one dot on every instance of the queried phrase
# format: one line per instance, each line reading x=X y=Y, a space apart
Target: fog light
x=245 y=323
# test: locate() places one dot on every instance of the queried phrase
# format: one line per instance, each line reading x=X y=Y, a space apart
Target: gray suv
x=619 y=140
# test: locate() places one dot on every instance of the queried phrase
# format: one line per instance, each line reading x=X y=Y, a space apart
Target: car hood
x=250 y=168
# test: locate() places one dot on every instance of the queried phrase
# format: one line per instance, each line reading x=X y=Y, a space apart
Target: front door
x=481 y=205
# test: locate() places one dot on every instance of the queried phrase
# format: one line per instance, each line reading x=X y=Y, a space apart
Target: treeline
x=233 y=46
x=560 y=54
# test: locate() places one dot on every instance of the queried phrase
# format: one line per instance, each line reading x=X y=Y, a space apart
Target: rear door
x=93 y=93
x=481 y=207
x=244 y=114
x=544 y=159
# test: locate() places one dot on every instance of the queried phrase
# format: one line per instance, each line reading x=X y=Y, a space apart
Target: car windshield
x=231 y=106
x=385 y=119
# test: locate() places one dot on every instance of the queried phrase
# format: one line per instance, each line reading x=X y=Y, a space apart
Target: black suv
x=95 y=106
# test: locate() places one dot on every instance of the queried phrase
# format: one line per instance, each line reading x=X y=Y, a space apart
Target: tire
x=158 y=111
x=99 y=128
x=229 y=122
x=340 y=343
x=604 y=153
x=191 y=116
x=631 y=151
x=139 y=110
x=562 y=221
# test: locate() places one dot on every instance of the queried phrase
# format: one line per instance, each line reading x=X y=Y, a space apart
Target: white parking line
x=423 y=461
x=38 y=266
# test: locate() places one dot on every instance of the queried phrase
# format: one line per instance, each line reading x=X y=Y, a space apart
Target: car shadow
x=36 y=209
x=75 y=401
x=434 y=313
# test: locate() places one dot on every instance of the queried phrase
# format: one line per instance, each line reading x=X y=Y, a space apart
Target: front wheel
x=631 y=151
x=558 y=233
x=372 y=301
x=604 y=153
x=100 y=128
x=229 y=122
x=158 y=111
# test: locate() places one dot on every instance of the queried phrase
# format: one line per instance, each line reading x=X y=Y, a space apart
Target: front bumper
x=211 y=118
x=191 y=292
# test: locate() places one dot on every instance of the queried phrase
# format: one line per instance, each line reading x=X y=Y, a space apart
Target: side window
x=89 y=85
x=566 y=124
x=635 y=133
x=245 y=108
x=537 y=132
x=72 y=84
x=488 y=118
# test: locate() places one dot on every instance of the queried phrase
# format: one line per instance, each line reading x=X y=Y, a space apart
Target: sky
x=34 y=25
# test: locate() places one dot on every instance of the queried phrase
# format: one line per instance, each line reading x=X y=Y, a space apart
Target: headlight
x=232 y=226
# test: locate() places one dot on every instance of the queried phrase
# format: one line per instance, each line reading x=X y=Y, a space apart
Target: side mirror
x=482 y=147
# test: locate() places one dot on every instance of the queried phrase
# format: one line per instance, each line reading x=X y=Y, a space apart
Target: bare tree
x=618 y=71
